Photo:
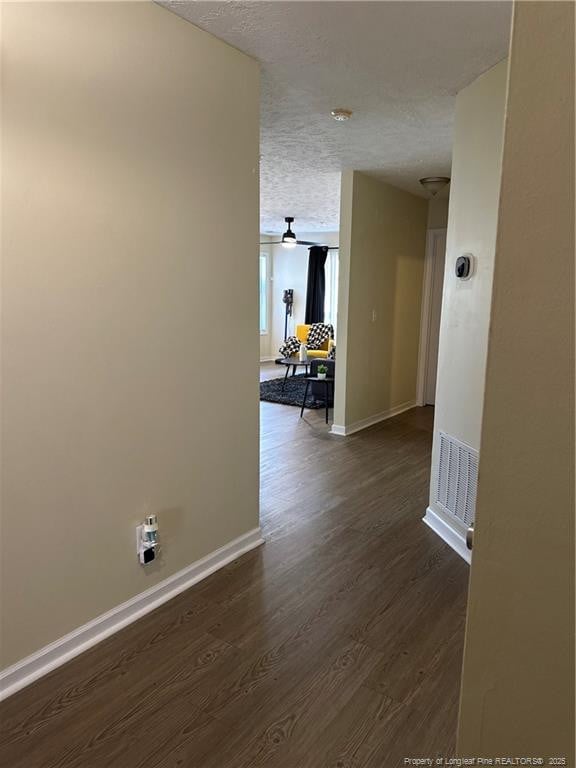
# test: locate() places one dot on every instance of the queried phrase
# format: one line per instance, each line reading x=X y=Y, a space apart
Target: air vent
x=457 y=480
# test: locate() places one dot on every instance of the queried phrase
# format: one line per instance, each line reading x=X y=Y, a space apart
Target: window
x=331 y=296
x=263 y=293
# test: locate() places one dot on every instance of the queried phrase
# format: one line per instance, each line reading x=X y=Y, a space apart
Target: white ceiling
x=397 y=65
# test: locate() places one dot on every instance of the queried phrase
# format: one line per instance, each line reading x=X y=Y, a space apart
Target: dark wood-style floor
x=336 y=645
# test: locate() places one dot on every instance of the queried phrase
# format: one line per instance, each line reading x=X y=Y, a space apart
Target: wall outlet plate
x=139 y=532
x=145 y=552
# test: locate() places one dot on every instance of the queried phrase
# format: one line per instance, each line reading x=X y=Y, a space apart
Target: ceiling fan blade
x=302 y=242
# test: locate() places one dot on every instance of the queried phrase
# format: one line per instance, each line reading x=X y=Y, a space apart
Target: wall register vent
x=457 y=480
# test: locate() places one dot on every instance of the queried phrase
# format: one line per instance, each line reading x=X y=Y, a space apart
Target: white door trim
x=426 y=312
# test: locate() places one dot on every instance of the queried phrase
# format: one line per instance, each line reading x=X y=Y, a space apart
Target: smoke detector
x=341 y=114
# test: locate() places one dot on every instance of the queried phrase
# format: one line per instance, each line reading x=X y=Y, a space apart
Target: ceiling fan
x=289 y=239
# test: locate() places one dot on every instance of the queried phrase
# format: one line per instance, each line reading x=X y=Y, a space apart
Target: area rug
x=271 y=391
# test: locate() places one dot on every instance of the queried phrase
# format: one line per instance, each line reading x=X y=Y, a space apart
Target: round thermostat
x=464 y=266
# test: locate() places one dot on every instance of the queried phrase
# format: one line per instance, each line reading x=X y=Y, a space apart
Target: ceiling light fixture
x=341 y=114
x=433 y=184
x=289 y=238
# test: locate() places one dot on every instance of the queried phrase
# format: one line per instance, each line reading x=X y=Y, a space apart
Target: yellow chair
x=302 y=335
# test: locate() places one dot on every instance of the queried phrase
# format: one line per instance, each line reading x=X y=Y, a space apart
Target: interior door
x=438 y=256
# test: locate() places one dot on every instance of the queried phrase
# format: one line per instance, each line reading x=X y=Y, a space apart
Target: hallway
x=336 y=644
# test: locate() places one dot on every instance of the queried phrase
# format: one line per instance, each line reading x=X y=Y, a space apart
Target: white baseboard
x=268 y=359
x=26 y=671
x=450 y=535
x=356 y=426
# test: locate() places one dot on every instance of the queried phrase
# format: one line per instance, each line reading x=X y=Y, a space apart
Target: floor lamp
x=288 y=299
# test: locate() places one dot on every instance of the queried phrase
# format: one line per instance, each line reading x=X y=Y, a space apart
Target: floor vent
x=457 y=480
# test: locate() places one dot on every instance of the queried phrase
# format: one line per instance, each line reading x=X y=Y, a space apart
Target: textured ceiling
x=397 y=65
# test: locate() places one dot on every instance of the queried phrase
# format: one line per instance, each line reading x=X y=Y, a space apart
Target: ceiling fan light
x=289 y=240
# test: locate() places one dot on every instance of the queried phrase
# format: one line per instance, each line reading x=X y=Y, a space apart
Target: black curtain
x=316 y=287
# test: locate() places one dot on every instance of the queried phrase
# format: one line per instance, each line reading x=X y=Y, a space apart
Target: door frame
x=426 y=311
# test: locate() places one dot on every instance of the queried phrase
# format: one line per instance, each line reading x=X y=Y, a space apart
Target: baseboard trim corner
x=357 y=426
x=54 y=655
x=452 y=537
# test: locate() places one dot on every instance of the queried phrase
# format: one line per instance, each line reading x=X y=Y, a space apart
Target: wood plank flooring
x=336 y=645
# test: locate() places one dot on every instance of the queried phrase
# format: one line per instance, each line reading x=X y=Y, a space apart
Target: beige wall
x=473 y=210
x=518 y=682
x=382 y=242
x=345 y=239
x=130 y=226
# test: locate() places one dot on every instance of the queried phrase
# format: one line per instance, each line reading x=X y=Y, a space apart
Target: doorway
x=435 y=261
